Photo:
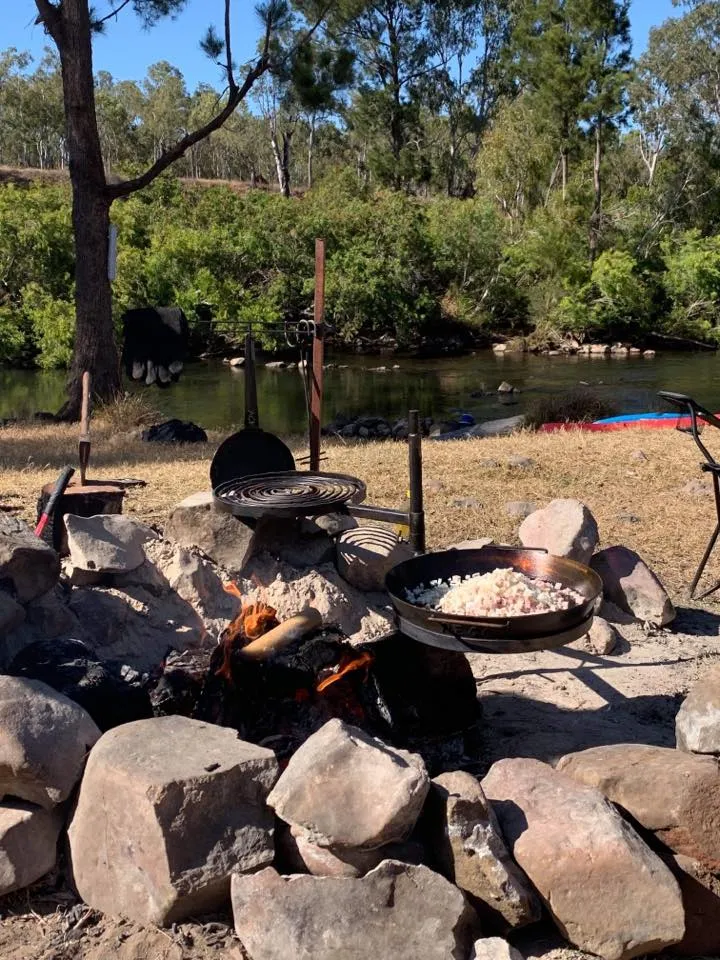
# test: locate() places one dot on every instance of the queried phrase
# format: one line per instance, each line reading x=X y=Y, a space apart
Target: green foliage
x=692 y=284
x=470 y=165
x=615 y=303
x=52 y=322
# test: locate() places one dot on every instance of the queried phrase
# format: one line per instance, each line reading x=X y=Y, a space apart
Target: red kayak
x=642 y=421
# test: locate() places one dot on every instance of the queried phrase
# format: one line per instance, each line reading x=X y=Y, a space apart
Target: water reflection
x=212 y=395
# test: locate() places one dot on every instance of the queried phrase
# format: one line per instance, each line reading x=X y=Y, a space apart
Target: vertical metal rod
x=318 y=357
x=417 y=509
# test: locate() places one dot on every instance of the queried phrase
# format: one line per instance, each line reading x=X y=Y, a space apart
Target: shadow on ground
x=516 y=726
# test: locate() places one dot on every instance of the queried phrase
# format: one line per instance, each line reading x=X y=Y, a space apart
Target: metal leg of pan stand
x=709 y=549
x=417 y=510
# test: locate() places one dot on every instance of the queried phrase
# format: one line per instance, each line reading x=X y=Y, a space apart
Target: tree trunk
x=597 y=192
x=564 y=155
x=95 y=348
x=287 y=143
x=278 y=157
x=310 y=154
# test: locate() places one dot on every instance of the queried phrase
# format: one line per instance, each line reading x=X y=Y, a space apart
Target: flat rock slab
x=464 y=835
x=28 y=566
x=28 y=844
x=107 y=543
x=347 y=789
x=44 y=740
x=396 y=911
x=167 y=810
x=697 y=725
x=630 y=584
x=607 y=891
x=565 y=528
x=674 y=794
x=197 y=522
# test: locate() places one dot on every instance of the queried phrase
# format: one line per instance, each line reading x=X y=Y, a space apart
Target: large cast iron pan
x=251 y=450
x=534 y=563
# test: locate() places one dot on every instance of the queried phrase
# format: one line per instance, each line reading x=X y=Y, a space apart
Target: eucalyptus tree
x=71 y=24
x=469 y=37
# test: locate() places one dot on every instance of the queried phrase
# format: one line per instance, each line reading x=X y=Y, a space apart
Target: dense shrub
x=396 y=265
x=575 y=406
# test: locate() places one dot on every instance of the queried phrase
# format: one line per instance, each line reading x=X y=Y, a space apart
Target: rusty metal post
x=417 y=508
x=318 y=357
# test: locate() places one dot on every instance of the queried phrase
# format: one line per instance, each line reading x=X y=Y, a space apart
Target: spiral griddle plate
x=289 y=494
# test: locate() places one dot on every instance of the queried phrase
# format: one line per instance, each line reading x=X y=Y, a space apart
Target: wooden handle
x=85 y=412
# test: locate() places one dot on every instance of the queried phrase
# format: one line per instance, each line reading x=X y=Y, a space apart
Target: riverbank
x=645 y=488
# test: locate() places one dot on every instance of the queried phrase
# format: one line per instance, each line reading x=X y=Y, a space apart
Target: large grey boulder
x=607 y=891
x=630 y=584
x=290 y=541
x=674 y=794
x=44 y=740
x=107 y=543
x=565 y=528
x=365 y=555
x=11 y=614
x=350 y=790
x=465 y=837
x=167 y=810
x=697 y=724
x=396 y=911
x=28 y=566
x=28 y=844
x=197 y=522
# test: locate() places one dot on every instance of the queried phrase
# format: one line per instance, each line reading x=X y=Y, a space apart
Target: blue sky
x=126 y=51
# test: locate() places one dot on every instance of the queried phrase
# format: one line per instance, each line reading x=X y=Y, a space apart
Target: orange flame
x=347 y=665
x=233 y=589
x=253 y=621
x=257 y=619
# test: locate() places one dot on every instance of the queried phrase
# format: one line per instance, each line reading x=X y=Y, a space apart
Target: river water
x=211 y=394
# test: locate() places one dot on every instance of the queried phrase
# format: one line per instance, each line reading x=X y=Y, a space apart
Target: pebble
x=522 y=463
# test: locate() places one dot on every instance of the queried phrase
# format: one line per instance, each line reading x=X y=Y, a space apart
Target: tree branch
x=232 y=85
x=116 y=190
x=235 y=96
x=113 y=13
x=48 y=15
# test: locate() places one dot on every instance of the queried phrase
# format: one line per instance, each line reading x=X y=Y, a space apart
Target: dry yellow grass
x=599 y=469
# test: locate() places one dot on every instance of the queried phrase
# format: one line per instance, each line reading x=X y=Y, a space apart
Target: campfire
x=277 y=683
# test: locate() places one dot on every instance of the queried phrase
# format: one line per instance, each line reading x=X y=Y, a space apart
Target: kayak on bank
x=646 y=421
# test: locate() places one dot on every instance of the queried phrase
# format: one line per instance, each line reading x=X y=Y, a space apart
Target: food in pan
x=503 y=592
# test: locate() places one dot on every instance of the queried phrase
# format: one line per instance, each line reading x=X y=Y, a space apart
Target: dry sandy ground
x=541 y=705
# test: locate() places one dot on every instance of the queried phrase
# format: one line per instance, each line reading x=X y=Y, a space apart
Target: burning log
x=283 y=635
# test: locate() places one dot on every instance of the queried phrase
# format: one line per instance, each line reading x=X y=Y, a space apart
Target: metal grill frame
x=226 y=498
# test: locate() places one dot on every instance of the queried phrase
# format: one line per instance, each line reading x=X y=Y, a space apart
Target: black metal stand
x=710 y=547
x=415 y=517
x=699 y=416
